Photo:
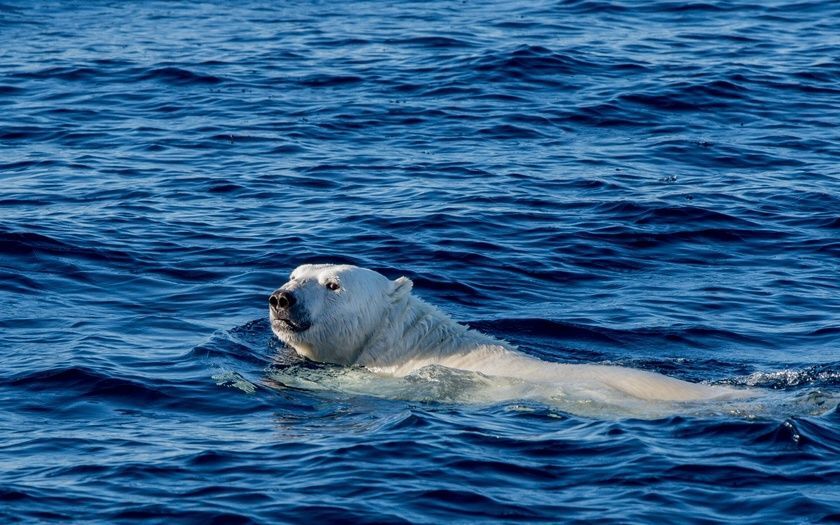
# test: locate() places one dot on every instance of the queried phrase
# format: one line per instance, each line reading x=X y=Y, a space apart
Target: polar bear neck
x=415 y=331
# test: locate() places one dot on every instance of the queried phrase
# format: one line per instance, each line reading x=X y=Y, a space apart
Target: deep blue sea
x=653 y=184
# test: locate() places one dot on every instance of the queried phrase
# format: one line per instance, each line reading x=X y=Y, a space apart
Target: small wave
x=799 y=433
x=176 y=75
x=86 y=382
x=715 y=94
x=656 y=214
x=817 y=376
x=591 y=6
x=9 y=90
x=25 y=133
x=651 y=240
x=431 y=42
x=251 y=343
x=70 y=73
x=68 y=386
x=557 y=331
x=235 y=380
x=509 y=131
x=17 y=243
x=548 y=328
x=534 y=64
x=321 y=80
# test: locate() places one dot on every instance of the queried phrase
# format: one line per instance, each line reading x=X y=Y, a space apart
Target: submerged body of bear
x=353 y=316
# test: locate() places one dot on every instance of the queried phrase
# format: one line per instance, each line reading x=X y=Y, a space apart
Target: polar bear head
x=329 y=312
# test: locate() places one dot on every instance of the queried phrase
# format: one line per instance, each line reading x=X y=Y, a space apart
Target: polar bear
x=347 y=315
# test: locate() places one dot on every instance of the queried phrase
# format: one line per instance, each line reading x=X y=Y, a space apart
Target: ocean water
x=648 y=184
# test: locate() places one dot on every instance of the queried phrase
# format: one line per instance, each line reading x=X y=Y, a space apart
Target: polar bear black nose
x=281 y=300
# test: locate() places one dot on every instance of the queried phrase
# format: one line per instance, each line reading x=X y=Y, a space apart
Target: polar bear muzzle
x=285 y=313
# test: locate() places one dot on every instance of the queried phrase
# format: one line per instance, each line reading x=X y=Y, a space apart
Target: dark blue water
x=652 y=184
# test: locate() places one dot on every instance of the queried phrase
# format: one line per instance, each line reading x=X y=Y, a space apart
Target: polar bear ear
x=402 y=286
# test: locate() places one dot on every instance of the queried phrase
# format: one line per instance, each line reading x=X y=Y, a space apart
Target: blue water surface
x=653 y=184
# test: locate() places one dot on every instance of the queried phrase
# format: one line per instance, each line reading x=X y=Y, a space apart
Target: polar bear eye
x=332 y=286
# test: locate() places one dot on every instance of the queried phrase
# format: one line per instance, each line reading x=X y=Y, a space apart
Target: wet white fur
x=376 y=323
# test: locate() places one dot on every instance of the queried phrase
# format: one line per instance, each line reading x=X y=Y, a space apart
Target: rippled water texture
x=650 y=184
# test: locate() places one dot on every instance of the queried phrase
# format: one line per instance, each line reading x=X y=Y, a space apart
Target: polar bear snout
x=282 y=300
x=286 y=312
